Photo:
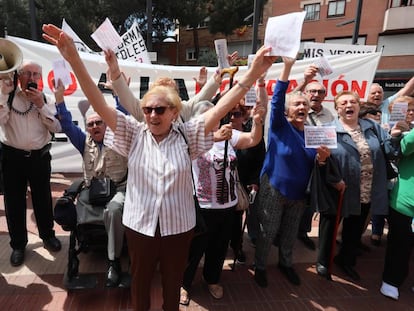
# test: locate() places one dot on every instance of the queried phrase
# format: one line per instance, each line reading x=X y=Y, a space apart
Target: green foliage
x=208 y=59
x=227 y=15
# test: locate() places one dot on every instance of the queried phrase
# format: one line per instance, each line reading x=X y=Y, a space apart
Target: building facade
x=388 y=24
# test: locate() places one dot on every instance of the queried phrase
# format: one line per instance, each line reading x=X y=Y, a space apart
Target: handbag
x=101 y=191
x=64 y=212
x=243 y=200
x=200 y=226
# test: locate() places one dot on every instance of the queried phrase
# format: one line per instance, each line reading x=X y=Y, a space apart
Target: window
x=203 y=24
x=336 y=8
x=312 y=11
x=190 y=53
x=398 y=3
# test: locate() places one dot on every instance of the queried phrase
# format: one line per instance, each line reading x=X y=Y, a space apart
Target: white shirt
x=30 y=129
x=208 y=175
x=159 y=185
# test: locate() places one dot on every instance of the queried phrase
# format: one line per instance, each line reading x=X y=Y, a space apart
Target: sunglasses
x=158 y=110
x=373 y=112
x=93 y=123
x=236 y=114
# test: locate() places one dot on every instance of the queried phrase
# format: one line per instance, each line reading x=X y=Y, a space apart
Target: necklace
x=22 y=113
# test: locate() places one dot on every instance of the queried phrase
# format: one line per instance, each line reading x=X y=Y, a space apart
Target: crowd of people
x=161 y=153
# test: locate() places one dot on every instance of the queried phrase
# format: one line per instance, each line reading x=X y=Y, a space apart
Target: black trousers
x=20 y=169
x=353 y=226
x=213 y=245
x=400 y=240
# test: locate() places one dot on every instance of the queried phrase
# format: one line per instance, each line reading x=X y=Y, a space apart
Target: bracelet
x=245 y=87
x=261 y=84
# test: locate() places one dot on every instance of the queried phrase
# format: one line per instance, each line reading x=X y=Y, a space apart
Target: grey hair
x=290 y=95
x=201 y=107
x=28 y=62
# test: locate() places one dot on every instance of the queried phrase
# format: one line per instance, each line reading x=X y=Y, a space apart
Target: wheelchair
x=83 y=238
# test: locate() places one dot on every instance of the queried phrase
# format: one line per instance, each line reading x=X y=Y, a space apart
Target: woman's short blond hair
x=167 y=93
x=358 y=99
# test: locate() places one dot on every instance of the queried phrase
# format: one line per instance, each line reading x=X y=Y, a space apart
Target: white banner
x=350 y=72
x=316 y=49
x=133 y=46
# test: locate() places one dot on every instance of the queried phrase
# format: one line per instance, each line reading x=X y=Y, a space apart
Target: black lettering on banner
x=143 y=86
x=182 y=88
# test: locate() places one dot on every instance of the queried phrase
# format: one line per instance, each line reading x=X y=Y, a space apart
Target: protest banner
x=350 y=72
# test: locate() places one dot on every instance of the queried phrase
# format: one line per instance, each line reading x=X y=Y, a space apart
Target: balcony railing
x=399 y=18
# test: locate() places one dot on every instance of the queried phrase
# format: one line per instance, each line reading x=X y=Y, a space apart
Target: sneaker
x=184 y=297
x=389 y=291
x=260 y=277
x=290 y=274
x=216 y=290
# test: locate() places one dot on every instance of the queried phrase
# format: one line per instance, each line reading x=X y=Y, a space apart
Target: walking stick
x=333 y=243
x=231 y=71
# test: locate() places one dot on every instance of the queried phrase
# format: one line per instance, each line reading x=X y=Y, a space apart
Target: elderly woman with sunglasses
x=159 y=212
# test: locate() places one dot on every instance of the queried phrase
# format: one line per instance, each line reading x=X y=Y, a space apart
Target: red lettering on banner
x=69 y=90
x=40 y=85
x=360 y=90
x=339 y=86
x=197 y=88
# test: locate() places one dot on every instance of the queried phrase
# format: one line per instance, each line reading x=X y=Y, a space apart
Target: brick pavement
x=38 y=284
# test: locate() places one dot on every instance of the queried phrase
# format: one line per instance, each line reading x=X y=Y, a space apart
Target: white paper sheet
x=106 y=36
x=283 y=34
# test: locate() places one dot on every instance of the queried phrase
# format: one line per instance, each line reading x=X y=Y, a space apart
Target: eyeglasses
x=320 y=92
x=28 y=74
x=236 y=114
x=158 y=110
x=93 y=123
x=373 y=112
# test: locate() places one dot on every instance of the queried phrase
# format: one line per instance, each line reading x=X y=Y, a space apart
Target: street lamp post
x=149 y=25
x=357 y=22
x=256 y=17
x=33 y=26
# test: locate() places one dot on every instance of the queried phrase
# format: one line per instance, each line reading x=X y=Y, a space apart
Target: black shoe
x=376 y=242
x=307 y=242
x=113 y=275
x=347 y=269
x=241 y=257
x=290 y=274
x=260 y=277
x=17 y=257
x=323 y=271
x=364 y=247
x=52 y=244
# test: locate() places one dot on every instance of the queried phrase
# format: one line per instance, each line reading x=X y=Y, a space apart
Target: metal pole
x=256 y=18
x=33 y=26
x=149 y=25
x=357 y=22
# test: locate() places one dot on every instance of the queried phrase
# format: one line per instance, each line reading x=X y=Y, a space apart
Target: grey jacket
x=347 y=160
